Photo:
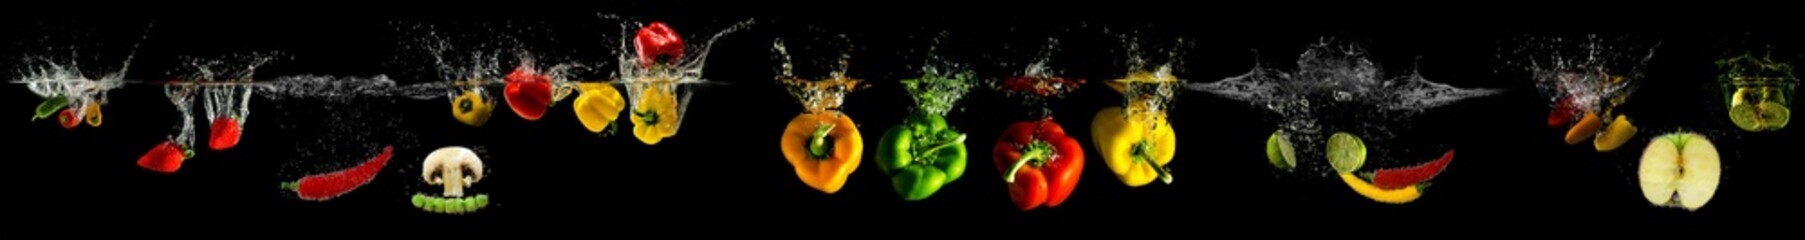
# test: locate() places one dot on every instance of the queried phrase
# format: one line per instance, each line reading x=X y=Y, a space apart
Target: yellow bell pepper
x=655 y=114
x=1136 y=152
x=1136 y=142
x=597 y=106
x=472 y=108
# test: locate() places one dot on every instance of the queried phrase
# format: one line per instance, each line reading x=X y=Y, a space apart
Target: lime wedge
x=1774 y=115
x=1745 y=117
x=1280 y=152
x=1346 y=152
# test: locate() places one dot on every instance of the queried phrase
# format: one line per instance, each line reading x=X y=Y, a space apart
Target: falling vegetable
x=1563 y=113
x=597 y=106
x=657 y=41
x=68 y=119
x=473 y=107
x=224 y=134
x=165 y=158
x=92 y=115
x=50 y=107
x=1040 y=162
x=528 y=92
x=1398 y=178
x=822 y=143
x=655 y=114
x=326 y=186
x=1397 y=196
x=923 y=154
x=1136 y=141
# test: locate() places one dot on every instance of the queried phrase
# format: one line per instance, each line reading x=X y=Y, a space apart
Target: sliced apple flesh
x=1680 y=170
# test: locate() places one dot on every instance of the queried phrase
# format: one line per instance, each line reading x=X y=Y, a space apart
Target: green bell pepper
x=921 y=155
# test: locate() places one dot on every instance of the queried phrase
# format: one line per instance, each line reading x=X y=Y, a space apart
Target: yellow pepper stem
x=924 y=155
x=1038 y=152
x=817 y=146
x=1143 y=152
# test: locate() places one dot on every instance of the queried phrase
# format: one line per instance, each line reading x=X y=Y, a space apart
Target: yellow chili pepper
x=655 y=115
x=598 y=106
x=93 y=114
x=1396 y=196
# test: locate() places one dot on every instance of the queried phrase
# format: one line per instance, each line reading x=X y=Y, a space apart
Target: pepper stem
x=291 y=185
x=817 y=146
x=956 y=141
x=1036 y=152
x=1143 y=152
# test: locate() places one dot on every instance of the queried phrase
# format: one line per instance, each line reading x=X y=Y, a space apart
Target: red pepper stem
x=1036 y=152
x=923 y=155
x=817 y=146
x=295 y=185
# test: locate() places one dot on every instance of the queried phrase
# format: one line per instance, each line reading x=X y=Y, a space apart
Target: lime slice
x=1745 y=117
x=1346 y=152
x=1774 y=116
x=1280 y=152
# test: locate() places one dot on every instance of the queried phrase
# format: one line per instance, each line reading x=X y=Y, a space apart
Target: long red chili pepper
x=1404 y=177
x=321 y=187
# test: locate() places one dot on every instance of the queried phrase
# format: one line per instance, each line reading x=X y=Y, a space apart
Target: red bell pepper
x=657 y=40
x=225 y=133
x=165 y=158
x=1040 y=163
x=528 y=92
x=1404 y=177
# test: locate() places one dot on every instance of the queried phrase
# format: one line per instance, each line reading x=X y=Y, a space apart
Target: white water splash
x=1338 y=83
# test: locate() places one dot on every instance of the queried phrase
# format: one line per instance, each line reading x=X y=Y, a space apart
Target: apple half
x=1680 y=170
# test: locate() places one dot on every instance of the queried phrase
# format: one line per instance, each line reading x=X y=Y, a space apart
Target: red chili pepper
x=1563 y=113
x=1040 y=86
x=67 y=118
x=528 y=92
x=165 y=158
x=325 y=186
x=225 y=133
x=1040 y=163
x=656 y=40
x=1404 y=177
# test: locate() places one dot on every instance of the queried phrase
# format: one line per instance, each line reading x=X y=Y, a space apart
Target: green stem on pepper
x=817 y=146
x=923 y=156
x=1038 y=152
x=1142 y=150
x=291 y=185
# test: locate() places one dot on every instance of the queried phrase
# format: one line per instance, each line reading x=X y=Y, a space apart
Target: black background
x=723 y=174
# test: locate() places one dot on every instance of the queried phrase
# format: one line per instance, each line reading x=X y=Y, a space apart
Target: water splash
x=823 y=94
x=942 y=82
x=1595 y=72
x=1038 y=83
x=226 y=100
x=1338 y=81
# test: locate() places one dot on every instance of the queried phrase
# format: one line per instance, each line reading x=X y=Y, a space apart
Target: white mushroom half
x=448 y=166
